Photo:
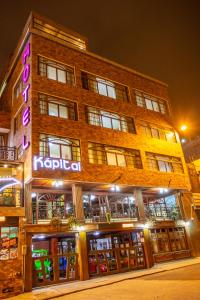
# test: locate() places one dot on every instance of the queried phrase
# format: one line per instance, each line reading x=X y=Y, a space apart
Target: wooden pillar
x=140 y=204
x=28 y=202
x=28 y=264
x=78 y=202
x=81 y=244
x=148 y=249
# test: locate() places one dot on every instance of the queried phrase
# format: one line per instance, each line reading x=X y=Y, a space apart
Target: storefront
x=169 y=243
x=54 y=259
x=114 y=252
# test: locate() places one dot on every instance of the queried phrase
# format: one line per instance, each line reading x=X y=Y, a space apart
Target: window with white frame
x=164 y=163
x=56 y=71
x=154 y=131
x=59 y=147
x=57 y=107
x=104 y=87
x=109 y=155
x=106 y=119
x=151 y=103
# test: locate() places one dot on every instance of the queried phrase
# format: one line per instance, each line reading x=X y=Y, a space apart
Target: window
x=151 y=103
x=8 y=242
x=56 y=107
x=164 y=163
x=153 y=131
x=56 y=71
x=109 y=120
x=168 y=240
x=104 y=87
x=103 y=154
x=58 y=147
x=18 y=121
x=19 y=87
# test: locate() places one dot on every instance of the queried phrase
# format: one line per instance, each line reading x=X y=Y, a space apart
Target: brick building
x=103 y=174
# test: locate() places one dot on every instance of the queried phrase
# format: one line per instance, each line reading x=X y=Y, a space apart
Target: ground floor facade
x=82 y=231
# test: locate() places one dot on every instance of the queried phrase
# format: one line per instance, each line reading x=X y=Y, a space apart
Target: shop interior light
x=92 y=197
x=5 y=166
x=132 y=199
x=187 y=223
x=33 y=195
x=145 y=226
x=96 y=233
x=57 y=183
x=163 y=190
x=2 y=219
x=80 y=228
x=115 y=188
x=41 y=237
x=19 y=168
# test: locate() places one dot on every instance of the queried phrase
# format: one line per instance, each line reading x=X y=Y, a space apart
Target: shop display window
x=168 y=240
x=8 y=242
x=115 y=252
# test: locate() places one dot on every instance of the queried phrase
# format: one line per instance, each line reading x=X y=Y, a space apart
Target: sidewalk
x=77 y=286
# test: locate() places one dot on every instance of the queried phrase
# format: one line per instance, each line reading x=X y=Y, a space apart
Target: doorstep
x=55 y=291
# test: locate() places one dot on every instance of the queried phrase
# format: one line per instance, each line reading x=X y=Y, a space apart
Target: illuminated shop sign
x=8 y=182
x=40 y=162
x=25 y=93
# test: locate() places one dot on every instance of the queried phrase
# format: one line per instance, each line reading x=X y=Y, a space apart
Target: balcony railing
x=162 y=212
x=8 y=153
x=11 y=197
x=45 y=211
x=112 y=216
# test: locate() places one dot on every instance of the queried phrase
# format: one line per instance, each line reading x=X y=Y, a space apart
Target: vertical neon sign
x=25 y=94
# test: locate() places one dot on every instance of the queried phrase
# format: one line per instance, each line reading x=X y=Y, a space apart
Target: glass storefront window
x=168 y=240
x=8 y=242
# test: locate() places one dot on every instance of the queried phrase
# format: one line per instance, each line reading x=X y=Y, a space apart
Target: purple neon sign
x=25 y=94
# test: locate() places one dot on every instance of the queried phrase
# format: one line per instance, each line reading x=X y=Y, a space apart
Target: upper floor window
x=164 y=163
x=154 y=131
x=106 y=119
x=114 y=156
x=59 y=147
x=19 y=87
x=104 y=87
x=151 y=103
x=56 y=71
x=56 y=107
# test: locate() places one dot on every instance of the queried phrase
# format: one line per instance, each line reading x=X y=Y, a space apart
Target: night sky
x=160 y=38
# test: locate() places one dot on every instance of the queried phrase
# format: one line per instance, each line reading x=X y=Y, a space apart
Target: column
x=78 y=202
x=81 y=245
x=148 y=248
x=140 y=204
x=28 y=202
x=28 y=264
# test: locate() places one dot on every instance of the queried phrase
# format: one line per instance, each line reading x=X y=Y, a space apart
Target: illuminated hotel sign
x=40 y=162
x=25 y=94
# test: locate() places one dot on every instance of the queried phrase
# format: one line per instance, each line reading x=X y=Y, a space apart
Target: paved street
x=180 y=284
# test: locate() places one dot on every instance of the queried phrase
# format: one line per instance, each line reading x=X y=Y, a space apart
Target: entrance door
x=54 y=260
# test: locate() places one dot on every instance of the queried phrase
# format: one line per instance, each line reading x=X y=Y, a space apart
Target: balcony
x=48 y=206
x=8 y=153
x=109 y=208
x=162 y=212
